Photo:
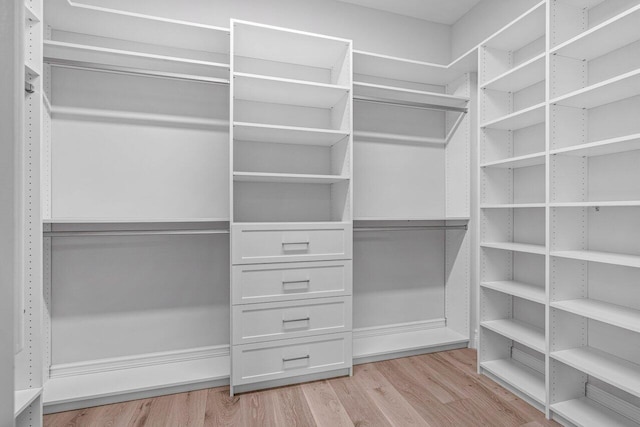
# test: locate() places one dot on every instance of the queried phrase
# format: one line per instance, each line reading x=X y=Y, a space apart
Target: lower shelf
x=24 y=398
x=584 y=412
x=373 y=347
x=520 y=377
x=110 y=386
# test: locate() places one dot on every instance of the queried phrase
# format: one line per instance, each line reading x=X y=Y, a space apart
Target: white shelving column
x=594 y=313
x=512 y=155
x=291 y=216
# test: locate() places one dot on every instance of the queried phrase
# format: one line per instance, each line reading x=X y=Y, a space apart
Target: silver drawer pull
x=291 y=282
x=294 y=358
x=306 y=242
x=302 y=319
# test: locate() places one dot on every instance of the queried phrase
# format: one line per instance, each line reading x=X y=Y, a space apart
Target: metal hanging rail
x=410 y=104
x=90 y=66
x=87 y=233
x=413 y=228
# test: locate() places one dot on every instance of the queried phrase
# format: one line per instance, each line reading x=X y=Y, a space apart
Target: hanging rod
x=410 y=104
x=412 y=228
x=85 y=233
x=79 y=65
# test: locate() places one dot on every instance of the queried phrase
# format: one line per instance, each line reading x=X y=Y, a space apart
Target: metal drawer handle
x=295 y=358
x=306 y=242
x=290 y=282
x=302 y=319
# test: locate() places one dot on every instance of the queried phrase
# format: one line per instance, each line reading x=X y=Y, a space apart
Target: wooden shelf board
x=621 y=203
x=518 y=120
x=517 y=162
x=520 y=77
x=380 y=345
x=288 y=178
x=518 y=376
x=518 y=289
x=604 y=366
x=128 y=220
x=512 y=205
x=402 y=94
x=585 y=412
x=606 y=92
x=24 y=398
x=601 y=257
x=286 y=134
x=602 y=148
x=606 y=37
x=527 y=28
x=516 y=247
x=79 y=388
x=252 y=87
x=519 y=331
x=612 y=314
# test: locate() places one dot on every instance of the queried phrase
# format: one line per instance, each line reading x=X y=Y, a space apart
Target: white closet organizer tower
x=291 y=216
x=411 y=199
x=29 y=308
x=560 y=261
x=135 y=206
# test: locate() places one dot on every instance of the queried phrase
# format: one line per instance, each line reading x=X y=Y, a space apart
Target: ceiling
x=442 y=11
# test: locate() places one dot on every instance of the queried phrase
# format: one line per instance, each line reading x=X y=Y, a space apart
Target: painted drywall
x=483 y=20
x=370 y=29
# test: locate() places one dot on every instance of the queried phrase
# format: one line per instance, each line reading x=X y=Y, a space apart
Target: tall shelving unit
x=559 y=211
x=291 y=195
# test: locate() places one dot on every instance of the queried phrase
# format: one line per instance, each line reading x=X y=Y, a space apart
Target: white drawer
x=252 y=363
x=253 y=283
x=266 y=242
x=290 y=319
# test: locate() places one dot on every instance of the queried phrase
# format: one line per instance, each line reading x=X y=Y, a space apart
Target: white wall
x=483 y=20
x=370 y=29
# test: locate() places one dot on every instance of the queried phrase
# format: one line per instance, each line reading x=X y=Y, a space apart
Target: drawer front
x=290 y=281
x=291 y=319
x=264 y=243
x=254 y=363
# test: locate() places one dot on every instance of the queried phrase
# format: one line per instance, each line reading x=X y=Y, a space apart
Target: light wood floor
x=439 y=389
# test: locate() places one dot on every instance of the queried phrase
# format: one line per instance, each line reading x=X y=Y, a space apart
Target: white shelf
x=527 y=28
x=516 y=330
x=612 y=314
x=376 y=347
x=72 y=16
x=516 y=247
x=606 y=92
x=24 y=398
x=286 y=134
x=512 y=205
x=517 y=162
x=128 y=220
x=602 y=148
x=584 y=412
x=601 y=257
x=288 y=178
x=621 y=203
x=518 y=376
x=518 y=120
x=386 y=218
x=520 y=77
x=396 y=68
x=402 y=94
x=608 y=36
x=604 y=366
x=518 y=289
x=252 y=87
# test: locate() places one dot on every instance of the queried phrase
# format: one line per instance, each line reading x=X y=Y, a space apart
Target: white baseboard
x=614 y=403
x=137 y=361
x=399 y=328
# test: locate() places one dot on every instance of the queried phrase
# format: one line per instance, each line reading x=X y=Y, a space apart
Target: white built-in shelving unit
x=559 y=211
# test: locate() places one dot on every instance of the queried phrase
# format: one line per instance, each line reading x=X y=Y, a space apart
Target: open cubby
x=525 y=225
x=500 y=146
x=496 y=104
x=512 y=186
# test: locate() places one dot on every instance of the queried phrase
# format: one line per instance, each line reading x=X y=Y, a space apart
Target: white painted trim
x=528 y=360
x=614 y=403
x=137 y=361
x=399 y=328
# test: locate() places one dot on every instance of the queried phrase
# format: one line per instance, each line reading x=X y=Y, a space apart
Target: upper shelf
x=612 y=314
x=68 y=15
x=602 y=148
x=518 y=120
x=286 y=134
x=517 y=162
x=608 y=36
x=529 y=27
x=601 y=257
x=606 y=92
x=252 y=87
x=276 y=44
x=400 y=95
x=520 y=77
x=288 y=178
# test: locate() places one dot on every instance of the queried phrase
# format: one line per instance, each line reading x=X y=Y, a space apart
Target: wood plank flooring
x=438 y=389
